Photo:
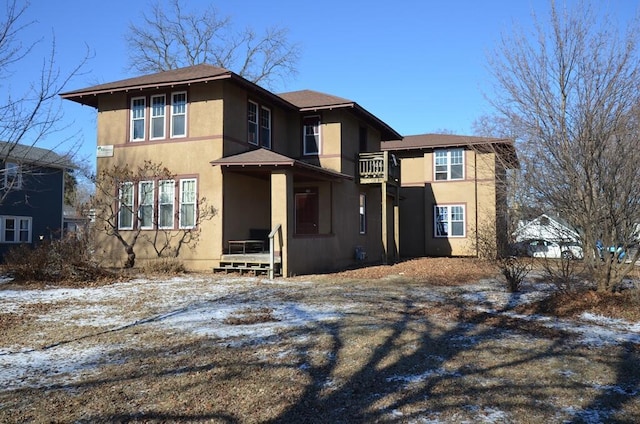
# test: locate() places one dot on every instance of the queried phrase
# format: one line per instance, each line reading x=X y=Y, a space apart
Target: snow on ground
x=201 y=305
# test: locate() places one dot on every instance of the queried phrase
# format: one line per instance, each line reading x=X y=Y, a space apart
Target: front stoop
x=255 y=263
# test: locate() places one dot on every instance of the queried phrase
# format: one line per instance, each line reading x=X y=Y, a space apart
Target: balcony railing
x=378 y=167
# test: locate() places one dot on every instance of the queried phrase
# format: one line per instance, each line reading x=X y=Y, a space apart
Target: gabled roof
x=503 y=146
x=33 y=155
x=263 y=159
x=312 y=101
x=175 y=77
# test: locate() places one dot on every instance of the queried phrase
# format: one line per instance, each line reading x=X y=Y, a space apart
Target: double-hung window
x=449 y=221
x=146 y=204
x=265 y=127
x=179 y=114
x=15 y=229
x=138 y=124
x=252 y=122
x=12 y=176
x=125 y=208
x=363 y=213
x=157 y=116
x=449 y=164
x=311 y=135
x=188 y=203
x=166 y=201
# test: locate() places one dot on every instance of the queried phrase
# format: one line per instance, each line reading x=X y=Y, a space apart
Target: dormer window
x=311 y=135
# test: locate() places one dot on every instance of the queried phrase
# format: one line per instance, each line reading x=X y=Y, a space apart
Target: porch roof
x=264 y=161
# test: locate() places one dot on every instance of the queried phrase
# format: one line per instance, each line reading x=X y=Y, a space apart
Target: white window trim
x=256 y=123
x=16 y=238
x=173 y=204
x=173 y=114
x=448 y=156
x=16 y=184
x=260 y=127
x=362 y=216
x=304 y=136
x=120 y=226
x=152 y=204
x=449 y=221
x=194 y=203
x=144 y=119
x=152 y=117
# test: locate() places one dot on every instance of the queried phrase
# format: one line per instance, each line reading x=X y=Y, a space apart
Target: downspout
x=475 y=187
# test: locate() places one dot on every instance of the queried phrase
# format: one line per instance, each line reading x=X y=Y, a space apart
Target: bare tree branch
x=174 y=38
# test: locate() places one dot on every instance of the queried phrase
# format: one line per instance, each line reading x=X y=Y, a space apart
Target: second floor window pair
x=157 y=125
x=258 y=125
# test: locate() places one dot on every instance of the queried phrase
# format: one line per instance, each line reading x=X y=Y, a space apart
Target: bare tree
x=571 y=94
x=169 y=38
x=28 y=117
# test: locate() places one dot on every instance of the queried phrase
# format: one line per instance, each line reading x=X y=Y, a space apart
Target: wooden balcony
x=378 y=168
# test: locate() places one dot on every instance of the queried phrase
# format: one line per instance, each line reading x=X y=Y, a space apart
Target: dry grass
x=394 y=355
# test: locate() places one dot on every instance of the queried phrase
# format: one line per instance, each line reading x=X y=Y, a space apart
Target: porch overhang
x=261 y=162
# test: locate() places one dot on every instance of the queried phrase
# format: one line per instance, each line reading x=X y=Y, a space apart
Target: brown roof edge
x=182 y=76
x=263 y=158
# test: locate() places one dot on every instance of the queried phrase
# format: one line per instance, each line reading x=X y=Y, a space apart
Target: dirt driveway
x=344 y=348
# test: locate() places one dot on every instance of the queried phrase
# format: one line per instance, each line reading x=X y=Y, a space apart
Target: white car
x=554 y=250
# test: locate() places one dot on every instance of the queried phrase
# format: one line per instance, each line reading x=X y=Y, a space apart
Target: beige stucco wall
x=420 y=192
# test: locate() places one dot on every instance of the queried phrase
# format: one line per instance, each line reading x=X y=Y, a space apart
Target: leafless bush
x=515 y=269
x=68 y=259
x=164 y=266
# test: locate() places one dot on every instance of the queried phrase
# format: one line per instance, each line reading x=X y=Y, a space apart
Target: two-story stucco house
x=300 y=174
x=451 y=186
x=31 y=193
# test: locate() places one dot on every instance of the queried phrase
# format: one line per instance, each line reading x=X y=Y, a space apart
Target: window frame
x=446 y=231
x=317 y=134
x=134 y=119
x=153 y=116
x=161 y=202
x=175 y=114
x=12 y=175
x=122 y=209
x=264 y=131
x=18 y=230
x=253 y=123
x=448 y=156
x=193 y=202
x=142 y=204
x=363 y=213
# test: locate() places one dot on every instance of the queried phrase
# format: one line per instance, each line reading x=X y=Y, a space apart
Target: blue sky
x=419 y=65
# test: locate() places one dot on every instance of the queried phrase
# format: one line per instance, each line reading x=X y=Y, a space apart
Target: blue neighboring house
x=31 y=194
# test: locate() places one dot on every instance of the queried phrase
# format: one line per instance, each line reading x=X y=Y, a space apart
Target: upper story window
x=179 y=114
x=138 y=109
x=12 y=176
x=265 y=127
x=449 y=164
x=258 y=125
x=155 y=107
x=157 y=116
x=311 y=135
x=252 y=122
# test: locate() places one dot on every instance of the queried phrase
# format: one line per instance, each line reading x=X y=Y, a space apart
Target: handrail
x=272 y=254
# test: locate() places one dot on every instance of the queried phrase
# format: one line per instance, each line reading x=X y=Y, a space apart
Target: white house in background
x=545 y=227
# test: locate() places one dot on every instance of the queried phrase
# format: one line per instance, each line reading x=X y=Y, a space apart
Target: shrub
x=164 y=266
x=67 y=259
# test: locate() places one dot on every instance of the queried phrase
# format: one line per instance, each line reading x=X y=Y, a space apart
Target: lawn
x=429 y=341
